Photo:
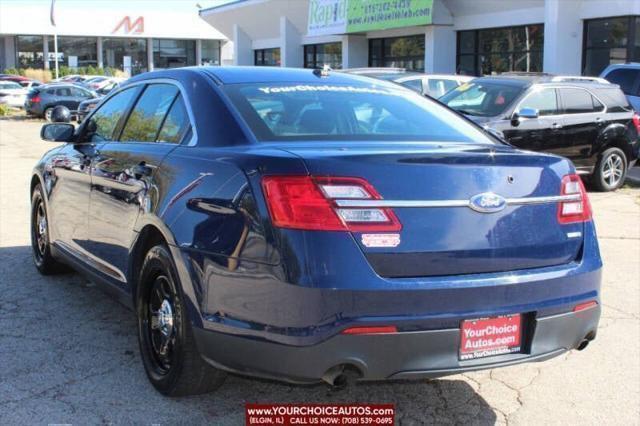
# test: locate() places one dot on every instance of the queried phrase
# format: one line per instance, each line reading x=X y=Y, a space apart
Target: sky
x=119 y=4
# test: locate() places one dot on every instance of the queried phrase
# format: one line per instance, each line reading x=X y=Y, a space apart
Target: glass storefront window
x=610 y=41
x=402 y=52
x=84 y=48
x=114 y=50
x=211 y=52
x=497 y=50
x=29 y=51
x=318 y=55
x=169 y=53
x=267 y=57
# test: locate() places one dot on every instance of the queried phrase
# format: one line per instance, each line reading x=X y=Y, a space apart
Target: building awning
x=90 y=19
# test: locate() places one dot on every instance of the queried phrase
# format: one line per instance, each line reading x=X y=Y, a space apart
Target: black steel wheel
x=169 y=353
x=40 y=247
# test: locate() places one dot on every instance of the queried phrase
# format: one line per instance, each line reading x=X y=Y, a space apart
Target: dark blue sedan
x=309 y=225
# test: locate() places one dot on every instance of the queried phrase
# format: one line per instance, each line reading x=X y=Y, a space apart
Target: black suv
x=586 y=120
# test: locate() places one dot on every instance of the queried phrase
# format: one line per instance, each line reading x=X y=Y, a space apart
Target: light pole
x=55 y=36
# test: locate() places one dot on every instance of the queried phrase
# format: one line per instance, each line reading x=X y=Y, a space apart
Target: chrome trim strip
x=451 y=203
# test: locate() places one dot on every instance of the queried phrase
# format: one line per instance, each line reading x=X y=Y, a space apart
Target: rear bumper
x=417 y=354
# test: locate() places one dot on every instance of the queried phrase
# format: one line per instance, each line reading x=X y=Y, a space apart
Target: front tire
x=169 y=353
x=611 y=170
x=40 y=245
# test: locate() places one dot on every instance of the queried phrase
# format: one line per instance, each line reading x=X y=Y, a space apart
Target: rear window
x=344 y=112
x=485 y=99
x=626 y=79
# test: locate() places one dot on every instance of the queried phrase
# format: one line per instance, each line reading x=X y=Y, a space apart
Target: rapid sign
x=351 y=16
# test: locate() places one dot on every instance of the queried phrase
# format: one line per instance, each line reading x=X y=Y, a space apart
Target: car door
x=544 y=133
x=78 y=95
x=71 y=177
x=125 y=177
x=583 y=119
x=63 y=97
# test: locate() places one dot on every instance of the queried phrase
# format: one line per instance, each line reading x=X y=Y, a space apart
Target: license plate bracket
x=486 y=337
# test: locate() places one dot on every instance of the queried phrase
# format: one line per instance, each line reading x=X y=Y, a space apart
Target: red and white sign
x=137 y=27
x=490 y=336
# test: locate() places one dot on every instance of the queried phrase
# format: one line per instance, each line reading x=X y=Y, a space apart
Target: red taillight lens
x=636 y=121
x=306 y=202
x=35 y=99
x=576 y=210
x=385 y=329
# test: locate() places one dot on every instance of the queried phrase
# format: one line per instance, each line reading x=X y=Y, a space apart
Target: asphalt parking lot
x=69 y=354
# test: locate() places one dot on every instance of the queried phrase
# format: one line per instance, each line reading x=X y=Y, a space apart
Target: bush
x=12 y=71
x=4 y=109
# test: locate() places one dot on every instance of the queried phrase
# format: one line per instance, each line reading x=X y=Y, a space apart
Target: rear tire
x=611 y=170
x=48 y=112
x=167 y=345
x=40 y=246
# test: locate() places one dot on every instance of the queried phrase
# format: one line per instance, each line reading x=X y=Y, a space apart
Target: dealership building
x=436 y=36
x=132 y=39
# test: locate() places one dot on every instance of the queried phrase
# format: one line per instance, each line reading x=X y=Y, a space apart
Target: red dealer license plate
x=485 y=337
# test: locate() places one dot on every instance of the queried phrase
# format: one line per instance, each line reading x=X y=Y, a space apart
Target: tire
x=167 y=345
x=40 y=246
x=611 y=170
x=47 y=114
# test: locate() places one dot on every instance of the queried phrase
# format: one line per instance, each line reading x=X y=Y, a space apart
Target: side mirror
x=57 y=132
x=527 y=113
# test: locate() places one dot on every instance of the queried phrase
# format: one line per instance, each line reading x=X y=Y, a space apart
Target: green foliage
x=12 y=71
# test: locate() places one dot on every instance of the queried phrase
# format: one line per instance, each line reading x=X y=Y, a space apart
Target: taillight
x=585 y=306
x=35 y=99
x=636 y=121
x=578 y=210
x=306 y=202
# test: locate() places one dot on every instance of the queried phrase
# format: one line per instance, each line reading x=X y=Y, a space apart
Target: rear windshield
x=484 y=99
x=324 y=112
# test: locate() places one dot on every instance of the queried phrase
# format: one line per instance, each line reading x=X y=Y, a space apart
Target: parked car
x=12 y=94
x=588 y=122
x=42 y=99
x=85 y=107
x=627 y=76
x=434 y=85
x=310 y=226
x=99 y=82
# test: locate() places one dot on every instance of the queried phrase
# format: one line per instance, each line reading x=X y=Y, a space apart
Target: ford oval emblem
x=487 y=202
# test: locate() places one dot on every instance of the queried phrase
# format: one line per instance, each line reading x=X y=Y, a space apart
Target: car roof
x=251 y=74
x=542 y=79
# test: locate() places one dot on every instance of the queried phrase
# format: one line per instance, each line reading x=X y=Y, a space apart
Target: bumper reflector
x=385 y=329
x=585 y=306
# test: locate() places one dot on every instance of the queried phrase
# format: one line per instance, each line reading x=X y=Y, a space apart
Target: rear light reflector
x=574 y=211
x=308 y=203
x=386 y=329
x=636 y=121
x=585 y=306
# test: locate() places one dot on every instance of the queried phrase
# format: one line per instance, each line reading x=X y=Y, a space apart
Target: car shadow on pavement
x=73 y=357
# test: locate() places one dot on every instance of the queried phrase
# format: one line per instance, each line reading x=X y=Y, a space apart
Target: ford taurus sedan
x=308 y=225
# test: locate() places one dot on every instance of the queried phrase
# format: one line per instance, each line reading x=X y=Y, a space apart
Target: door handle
x=556 y=126
x=141 y=170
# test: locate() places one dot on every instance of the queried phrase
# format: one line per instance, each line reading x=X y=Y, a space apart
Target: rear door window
x=415 y=84
x=440 y=86
x=176 y=124
x=63 y=91
x=577 y=101
x=103 y=122
x=626 y=78
x=545 y=101
x=143 y=124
